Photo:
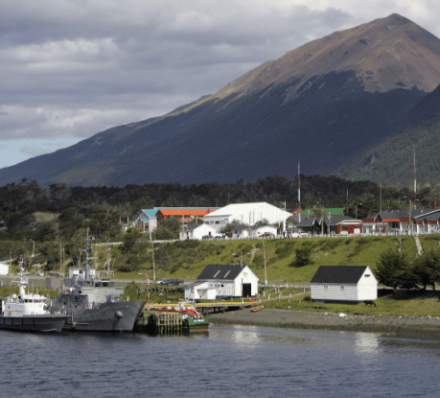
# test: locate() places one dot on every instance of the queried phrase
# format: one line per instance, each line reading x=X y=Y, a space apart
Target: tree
x=168 y=229
x=302 y=256
x=392 y=269
x=130 y=239
x=426 y=269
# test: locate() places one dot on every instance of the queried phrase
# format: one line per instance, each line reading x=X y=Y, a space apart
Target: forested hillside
x=393 y=160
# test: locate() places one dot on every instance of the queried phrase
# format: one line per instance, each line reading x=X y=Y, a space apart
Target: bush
x=284 y=249
x=302 y=256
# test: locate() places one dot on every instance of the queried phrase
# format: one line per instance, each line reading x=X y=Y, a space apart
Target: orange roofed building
x=188 y=214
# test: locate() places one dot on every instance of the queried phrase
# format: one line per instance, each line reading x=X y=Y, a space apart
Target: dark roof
x=339 y=274
x=306 y=223
x=431 y=216
x=220 y=272
x=400 y=213
x=337 y=219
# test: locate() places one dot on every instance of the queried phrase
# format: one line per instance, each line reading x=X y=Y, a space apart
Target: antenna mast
x=415 y=178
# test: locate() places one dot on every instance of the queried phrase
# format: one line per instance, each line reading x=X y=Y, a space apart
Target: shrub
x=302 y=256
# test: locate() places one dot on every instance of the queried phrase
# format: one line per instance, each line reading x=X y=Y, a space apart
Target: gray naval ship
x=95 y=304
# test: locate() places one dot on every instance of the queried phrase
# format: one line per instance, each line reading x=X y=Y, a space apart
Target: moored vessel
x=29 y=312
x=94 y=304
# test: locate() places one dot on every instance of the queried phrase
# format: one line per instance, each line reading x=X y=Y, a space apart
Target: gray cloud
x=81 y=66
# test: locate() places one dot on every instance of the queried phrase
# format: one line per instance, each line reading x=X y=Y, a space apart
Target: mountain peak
x=384 y=54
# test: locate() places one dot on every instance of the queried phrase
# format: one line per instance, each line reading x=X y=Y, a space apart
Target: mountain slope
x=392 y=160
x=324 y=103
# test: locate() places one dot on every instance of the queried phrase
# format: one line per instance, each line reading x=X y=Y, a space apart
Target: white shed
x=198 y=231
x=223 y=281
x=4 y=269
x=346 y=284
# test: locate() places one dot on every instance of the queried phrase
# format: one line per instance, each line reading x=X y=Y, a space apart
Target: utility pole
x=415 y=178
x=284 y=219
x=108 y=261
x=265 y=269
x=152 y=253
x=299 y=193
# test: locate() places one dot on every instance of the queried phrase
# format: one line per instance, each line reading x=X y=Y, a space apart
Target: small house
x=197 y=231
x=341 y=225
x=223 y=281
x=343 y=284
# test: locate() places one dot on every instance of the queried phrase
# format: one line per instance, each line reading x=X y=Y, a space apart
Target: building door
x=247 y=290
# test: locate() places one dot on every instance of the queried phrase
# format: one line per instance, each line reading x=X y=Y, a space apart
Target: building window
x=367 y=275
x=342 y=287
x=325 y=287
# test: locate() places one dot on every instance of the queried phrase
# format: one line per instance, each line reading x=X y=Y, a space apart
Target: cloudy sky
x=72 y=68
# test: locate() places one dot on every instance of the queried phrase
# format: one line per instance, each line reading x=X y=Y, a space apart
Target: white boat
x=29 y=312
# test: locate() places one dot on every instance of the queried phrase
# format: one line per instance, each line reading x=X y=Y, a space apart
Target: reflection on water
x=366 y=343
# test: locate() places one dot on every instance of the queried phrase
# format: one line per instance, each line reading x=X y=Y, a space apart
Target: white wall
x=367 y=286
x=4 y=269
x=343 y=292
x=246 y=276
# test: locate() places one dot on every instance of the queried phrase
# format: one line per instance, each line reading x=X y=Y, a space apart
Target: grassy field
x=186 y=260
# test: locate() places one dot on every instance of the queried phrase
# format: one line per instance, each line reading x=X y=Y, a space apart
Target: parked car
x=171 y=281
x=267 y=235
x=55 y=274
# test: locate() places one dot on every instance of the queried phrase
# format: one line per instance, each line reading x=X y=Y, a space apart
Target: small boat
x=256 y=309
x=29 y=312
x=192 y=320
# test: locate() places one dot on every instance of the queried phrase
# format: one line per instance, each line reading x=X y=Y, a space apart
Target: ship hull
x=107 y=317
x=34 y=323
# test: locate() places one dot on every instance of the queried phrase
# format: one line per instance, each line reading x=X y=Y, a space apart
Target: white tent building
x=246 y=213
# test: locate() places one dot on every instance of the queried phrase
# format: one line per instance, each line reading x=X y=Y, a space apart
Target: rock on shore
x=393 y=325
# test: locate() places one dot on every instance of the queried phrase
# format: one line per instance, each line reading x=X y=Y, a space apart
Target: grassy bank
x=186 y=260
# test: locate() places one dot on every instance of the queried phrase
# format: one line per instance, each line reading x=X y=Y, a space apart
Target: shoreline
x=401 y=326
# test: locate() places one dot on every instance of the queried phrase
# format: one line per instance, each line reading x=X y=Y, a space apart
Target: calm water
x=231 y=361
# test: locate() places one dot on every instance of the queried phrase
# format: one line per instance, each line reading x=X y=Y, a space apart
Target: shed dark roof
x=339 y=274
x=220 y=272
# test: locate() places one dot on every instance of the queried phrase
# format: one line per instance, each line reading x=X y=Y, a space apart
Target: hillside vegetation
x=186 y=260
